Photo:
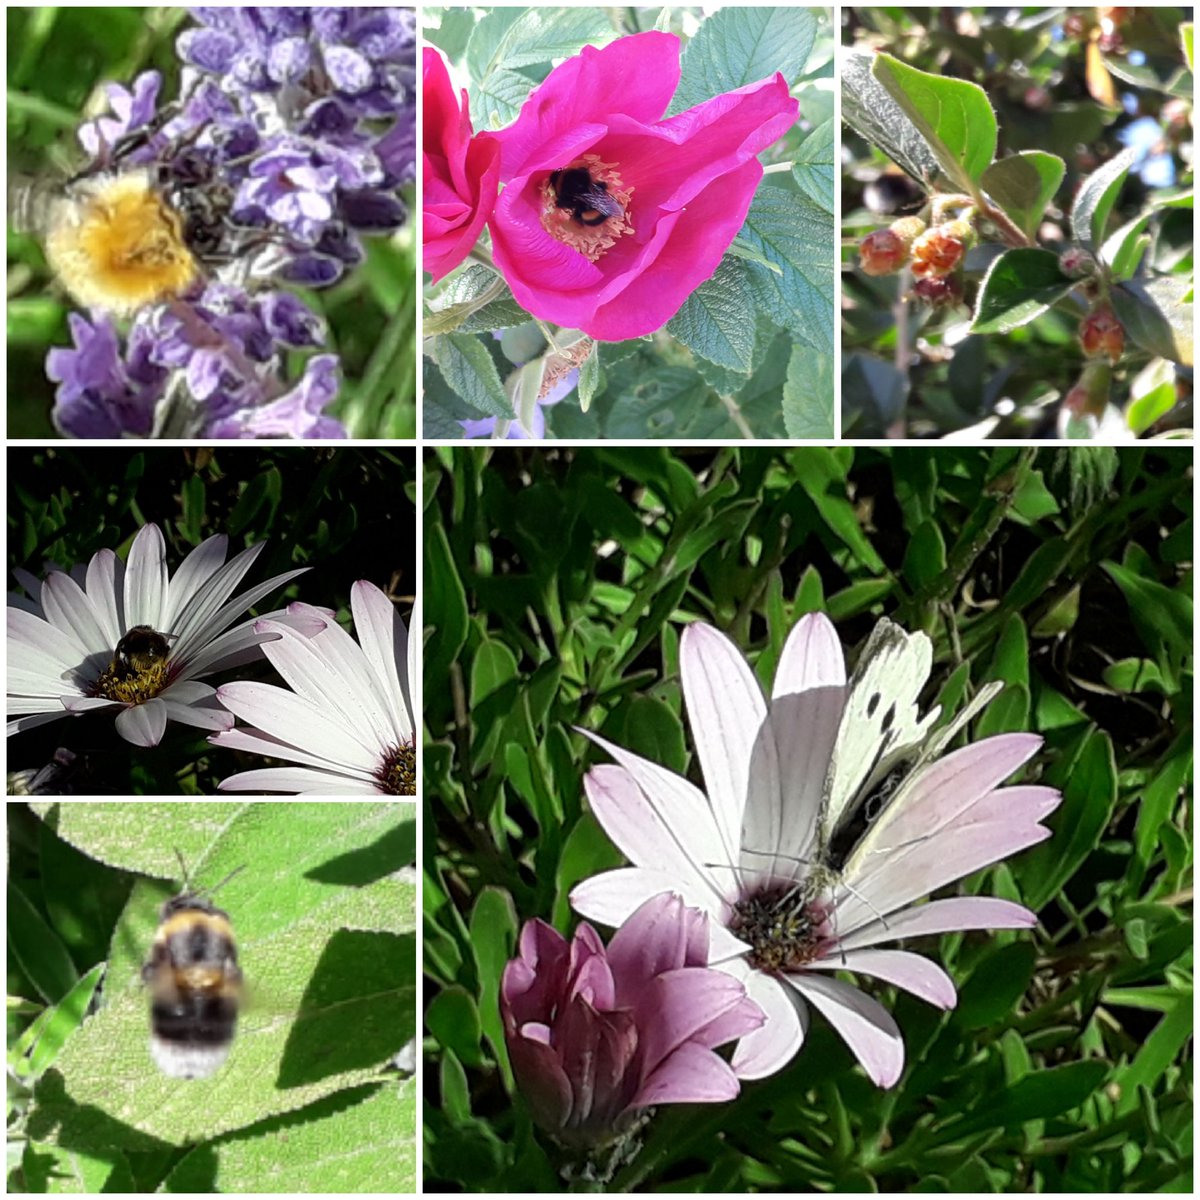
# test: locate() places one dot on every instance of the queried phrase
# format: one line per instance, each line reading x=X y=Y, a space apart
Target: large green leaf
x=1160 y=316
x=712 y=321
x=737 y=46
x=1024 y=184
x=808 y=395
x=1095 y=199
x=812 y=165
x=955 y=117
x=1020 y=285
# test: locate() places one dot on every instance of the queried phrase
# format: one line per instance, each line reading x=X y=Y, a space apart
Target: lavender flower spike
x=596 y=1036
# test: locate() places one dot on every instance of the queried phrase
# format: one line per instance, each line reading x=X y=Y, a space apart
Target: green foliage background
x=750 y=352
x=556 y=584
x=59 y=58
x=324 y=911
x=345 y=514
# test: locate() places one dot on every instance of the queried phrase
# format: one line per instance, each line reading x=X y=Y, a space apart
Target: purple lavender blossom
x=305 y=119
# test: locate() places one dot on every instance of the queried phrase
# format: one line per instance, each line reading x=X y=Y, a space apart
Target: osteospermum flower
x=348 y=719
x=128 y=637
x=770 y=852
x=596 y=1036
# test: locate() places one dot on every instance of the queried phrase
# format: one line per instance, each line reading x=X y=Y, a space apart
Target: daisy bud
x=596 y=1035
x=1100 y=333
x=941 y=249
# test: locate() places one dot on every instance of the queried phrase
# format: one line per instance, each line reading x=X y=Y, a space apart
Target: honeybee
x=586 y=198
x=141 y=649
x=195 y=984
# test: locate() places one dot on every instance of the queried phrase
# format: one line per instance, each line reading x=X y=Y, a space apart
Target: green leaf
x=737 y=46
x=334 y=1147
x=493 y=928
x=868 y=107
x=506 y=39
x=1158 y=612
x=1020 y=285
x=63 y=1020
x=452 y=1016
x=1159 y=316
x=1096 y=197
x=873 y=395
x=325 y=915
x=586 y=852
x=1187 y=35
x=1038 y=1096
x=798 y=236
x=740 y=249
x=1153 y=394
x=1089 y=796
x=996 y=986
x=712 y=322
x=591 y=379
x=474 y=300
x=808 y=395
x=1157 y=1052
x=37 y=948
x=1134 y=675
x=1124 y=249
x=497 y=101
x=471 y=374
x=925 y=556
x=812 y=165
x=955 y=117
x=1023 y=184
x=445 y=607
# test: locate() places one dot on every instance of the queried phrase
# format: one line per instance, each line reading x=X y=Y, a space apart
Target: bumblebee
x=195 y=985
x=142 y=649
x=586 y=198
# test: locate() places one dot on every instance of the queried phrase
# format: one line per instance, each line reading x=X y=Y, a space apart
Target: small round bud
x=1076 y=263
x=939 y=250
x=939 y=291
x=882 y=252
x=1100 y=333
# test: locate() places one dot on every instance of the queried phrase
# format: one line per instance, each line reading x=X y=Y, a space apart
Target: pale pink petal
x=908 y=971
x=726 y=711
x=943 y=916
x=655 y=939
x=612 y=896
x=863 y=1024
x=651 y=831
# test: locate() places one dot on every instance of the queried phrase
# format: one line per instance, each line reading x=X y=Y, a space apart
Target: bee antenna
x=187 y=883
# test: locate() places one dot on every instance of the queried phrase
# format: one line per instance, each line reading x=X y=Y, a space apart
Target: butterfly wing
x=881 y=724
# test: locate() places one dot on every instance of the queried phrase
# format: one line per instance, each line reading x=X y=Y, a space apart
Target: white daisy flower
x=348 y=720
x=799 y=873
x=128 y=637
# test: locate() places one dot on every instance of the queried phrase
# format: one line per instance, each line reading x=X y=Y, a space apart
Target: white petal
x=771 y=1047
x=863 y=1024
x=296 y=781
x=146 y=580
x=194 y=574
x=812 y=657
x=726 y=711
x=143 y=724
x=384 y=641
x=254 y=741
x=613 y=896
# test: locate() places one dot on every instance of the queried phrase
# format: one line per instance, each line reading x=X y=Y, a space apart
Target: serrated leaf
x=1024 y=184
x=954 y=116
x=471 y=374
x=1095 y=199
x=506 y=39
x=712 y=322
x=798 y=236
x=475 y=300
x=868 y=107
x=591 y=379
x=496 y=101
x=1159 y=316
x=1020 y=285
x=737 y=46
x=812 y=165
x=808 y=395
x=324 y=912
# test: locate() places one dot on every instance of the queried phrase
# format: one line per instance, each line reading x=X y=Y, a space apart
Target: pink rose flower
x=611 y=216
x=594 y=1035
x=460 y=175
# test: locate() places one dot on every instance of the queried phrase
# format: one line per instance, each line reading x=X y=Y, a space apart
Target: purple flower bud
x=594 y=1036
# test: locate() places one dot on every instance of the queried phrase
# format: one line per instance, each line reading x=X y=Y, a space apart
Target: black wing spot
x=873 y=703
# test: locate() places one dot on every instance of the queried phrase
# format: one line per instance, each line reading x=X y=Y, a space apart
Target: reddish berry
x=882 y=252
x=1100 y=333
x=940 y=250
x=1076 y=263
x=939 y=291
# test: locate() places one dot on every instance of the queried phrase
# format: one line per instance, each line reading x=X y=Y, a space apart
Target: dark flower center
x=786 y=926
x=397 y=774
x=585 y=205
x=139 y=669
